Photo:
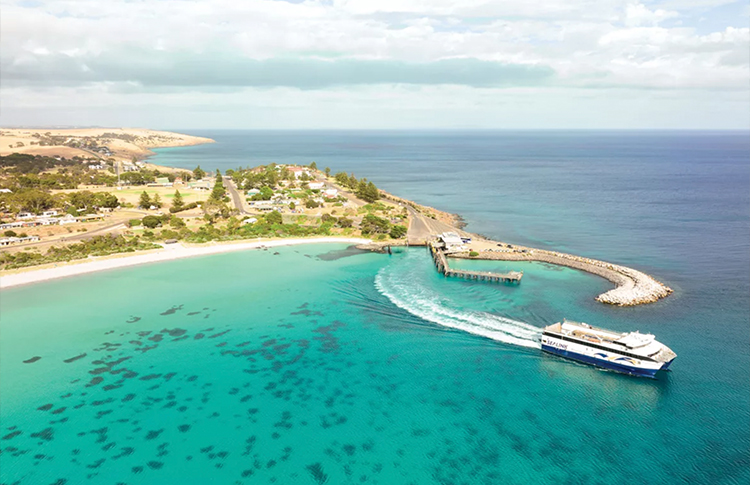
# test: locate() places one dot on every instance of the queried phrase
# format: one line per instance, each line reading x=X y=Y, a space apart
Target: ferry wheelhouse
x=632 y=353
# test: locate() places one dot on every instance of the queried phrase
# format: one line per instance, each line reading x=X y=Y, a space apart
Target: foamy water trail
x=410 y=295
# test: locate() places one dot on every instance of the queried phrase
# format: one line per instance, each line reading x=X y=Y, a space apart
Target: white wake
x=422 y=302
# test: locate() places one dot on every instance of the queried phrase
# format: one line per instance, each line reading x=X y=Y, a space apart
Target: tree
x=33 y=200
x=105 y=199
x=177 y=202
x=344 y=222
x=342 y=179
x=361 y=190
x=83 y=199
x=10 y=233
x=292 y=205
x=156 y=201
x=151 y=221
x=274 y=217
x=311 y=204
x=328 y=171
x=145 y=200
x=314 y=166
x=371 y=193
x=374 y=225
x=397 y=232
x=198 y=173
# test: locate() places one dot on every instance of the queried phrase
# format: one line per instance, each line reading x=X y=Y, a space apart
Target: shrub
x=274 y=217
x=10 y=233
x=151 y=221
x=176 y=222
x=185 y=207
x=134 y=222
x=473 y=254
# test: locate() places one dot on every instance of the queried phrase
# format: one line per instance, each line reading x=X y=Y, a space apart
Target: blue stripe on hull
x=634 y=371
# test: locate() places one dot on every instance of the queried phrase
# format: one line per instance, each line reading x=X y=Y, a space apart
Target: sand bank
x=170 y=252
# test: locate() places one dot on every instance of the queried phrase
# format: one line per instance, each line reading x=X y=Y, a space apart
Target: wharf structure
x=450 y=241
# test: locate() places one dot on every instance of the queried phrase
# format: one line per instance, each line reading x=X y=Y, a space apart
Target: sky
x=382 y=64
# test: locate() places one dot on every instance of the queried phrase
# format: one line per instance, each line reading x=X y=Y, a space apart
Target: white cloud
x=595 y=44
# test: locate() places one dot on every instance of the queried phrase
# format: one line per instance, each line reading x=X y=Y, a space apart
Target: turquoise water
x=324 y=365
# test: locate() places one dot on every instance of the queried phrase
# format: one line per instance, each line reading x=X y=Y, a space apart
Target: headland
x=96 y=206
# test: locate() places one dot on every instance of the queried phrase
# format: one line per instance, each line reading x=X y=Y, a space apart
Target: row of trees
x=37 y=201
x=363 y=189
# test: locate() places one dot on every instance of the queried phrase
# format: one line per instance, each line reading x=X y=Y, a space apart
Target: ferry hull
x=605 y=364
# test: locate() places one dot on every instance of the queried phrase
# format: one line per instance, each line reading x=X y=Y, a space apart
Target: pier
x=441 y=263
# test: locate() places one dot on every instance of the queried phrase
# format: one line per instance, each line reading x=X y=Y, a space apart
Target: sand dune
x=122 y=142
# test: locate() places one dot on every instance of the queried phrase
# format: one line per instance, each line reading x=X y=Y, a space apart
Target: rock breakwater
x=632 y=287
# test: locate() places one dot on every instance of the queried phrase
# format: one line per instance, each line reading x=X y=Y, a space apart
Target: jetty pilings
x=441 y=264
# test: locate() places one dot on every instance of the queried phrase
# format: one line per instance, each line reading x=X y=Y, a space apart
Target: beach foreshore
x=31 y=275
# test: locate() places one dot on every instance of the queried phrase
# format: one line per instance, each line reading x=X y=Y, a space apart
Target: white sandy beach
x=169 y=253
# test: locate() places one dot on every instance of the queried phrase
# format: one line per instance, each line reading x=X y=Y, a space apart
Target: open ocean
x=316 y=364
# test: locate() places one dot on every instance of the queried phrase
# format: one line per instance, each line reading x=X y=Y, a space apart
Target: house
x=200 y=185
x=129 y=167
x=262 y=203
x=15 y=240
x=91 y=218
x=67 y=219
x=51 y=213
x=11 y=225
x=96 y=166
x=316 y=185
x=25 y=216
x=250 y=220
x=163 y=181
x=47 y=221
x=330 y=193
x=252 y=192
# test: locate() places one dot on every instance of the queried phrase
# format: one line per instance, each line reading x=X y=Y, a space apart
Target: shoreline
x=31 y=275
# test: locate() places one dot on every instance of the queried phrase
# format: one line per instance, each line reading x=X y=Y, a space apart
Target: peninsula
x=72 y=195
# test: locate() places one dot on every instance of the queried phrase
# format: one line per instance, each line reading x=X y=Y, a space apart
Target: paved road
x=421 y=228
x=237 y=199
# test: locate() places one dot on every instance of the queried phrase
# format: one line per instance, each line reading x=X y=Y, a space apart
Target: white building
x=15 y=240
x=316 y=185
x=330 y=193
x=451 y=240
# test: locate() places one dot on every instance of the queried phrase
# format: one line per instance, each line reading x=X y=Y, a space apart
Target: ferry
x=631 y=353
